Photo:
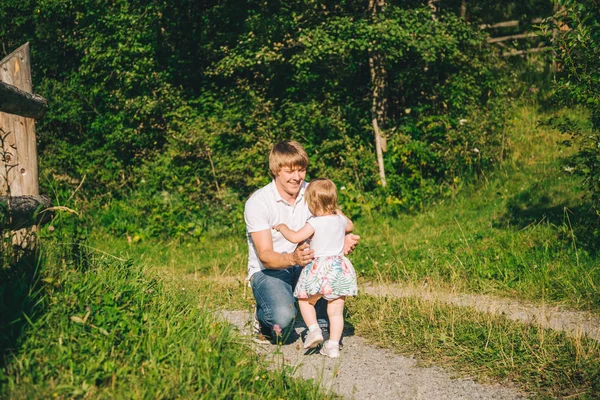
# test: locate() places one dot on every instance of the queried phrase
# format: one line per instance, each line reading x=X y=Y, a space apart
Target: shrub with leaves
x=575 y=32
x=169 y=108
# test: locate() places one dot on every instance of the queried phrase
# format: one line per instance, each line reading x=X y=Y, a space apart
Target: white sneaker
x=329 y=350
x=313 y=338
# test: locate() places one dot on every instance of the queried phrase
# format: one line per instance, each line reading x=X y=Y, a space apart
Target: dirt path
x=576 y=323
x=364 y=371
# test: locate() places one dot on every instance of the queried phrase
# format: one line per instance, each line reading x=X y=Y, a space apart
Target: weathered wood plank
x=24 y=211
x=521 y=52
x=19 y=174
x=18 y=102
x=511 y=37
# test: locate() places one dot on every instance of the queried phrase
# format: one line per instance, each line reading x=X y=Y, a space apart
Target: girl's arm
x=350 y=240
x=350 y=225
x=295 y=236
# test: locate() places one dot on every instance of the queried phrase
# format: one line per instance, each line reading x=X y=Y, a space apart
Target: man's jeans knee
x=275 y=302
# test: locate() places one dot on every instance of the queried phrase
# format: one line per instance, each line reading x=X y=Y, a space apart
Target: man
x=274 y=264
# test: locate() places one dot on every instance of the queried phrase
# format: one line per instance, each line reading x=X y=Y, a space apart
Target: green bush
x=575 y=32
x=175 y=106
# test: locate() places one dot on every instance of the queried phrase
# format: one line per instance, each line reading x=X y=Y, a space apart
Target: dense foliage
x=168 y=109
x=576 y=35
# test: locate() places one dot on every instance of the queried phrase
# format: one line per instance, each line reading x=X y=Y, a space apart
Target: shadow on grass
x=23 y=285
x=531 y=207
x=19 y=285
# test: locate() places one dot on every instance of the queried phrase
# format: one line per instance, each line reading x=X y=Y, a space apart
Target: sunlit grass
x=209 y=256
x=489 y=348
x=106 y=328
x=514 y=233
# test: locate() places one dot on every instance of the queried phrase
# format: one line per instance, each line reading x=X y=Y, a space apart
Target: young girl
x=330 y=274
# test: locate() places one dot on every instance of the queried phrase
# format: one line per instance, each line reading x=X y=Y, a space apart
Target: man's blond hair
x=321 y=197
x=287 y=154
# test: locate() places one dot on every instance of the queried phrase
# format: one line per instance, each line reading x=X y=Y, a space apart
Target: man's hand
x=350 y=243
x=303 y=255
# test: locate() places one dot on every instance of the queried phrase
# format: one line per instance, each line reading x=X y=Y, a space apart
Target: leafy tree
x=169 y=108
x=437 y=74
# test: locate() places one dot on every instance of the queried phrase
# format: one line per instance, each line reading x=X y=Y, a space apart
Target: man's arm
x=263 y=242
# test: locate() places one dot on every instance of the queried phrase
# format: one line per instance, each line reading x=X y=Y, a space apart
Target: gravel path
x=364 y=371
x=575 y=323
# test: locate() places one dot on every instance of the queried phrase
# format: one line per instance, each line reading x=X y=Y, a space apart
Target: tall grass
x=106 y=328
x=515 y=232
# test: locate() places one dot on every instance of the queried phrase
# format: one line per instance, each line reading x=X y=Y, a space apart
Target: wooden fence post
x=19 y=166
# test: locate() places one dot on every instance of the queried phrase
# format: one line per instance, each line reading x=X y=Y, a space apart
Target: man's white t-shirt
x=330 y=231
x=266 y=208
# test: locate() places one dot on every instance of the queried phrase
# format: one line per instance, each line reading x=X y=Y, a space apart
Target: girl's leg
x=307 y=308
x=314 y=336
x=335 y=310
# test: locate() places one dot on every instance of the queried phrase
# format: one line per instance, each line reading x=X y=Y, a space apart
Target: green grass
x=516 y=232
x=545 y=363
x=513 y=233
x=106 y=328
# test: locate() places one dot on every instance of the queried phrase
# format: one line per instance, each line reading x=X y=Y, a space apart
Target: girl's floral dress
x=331 y=275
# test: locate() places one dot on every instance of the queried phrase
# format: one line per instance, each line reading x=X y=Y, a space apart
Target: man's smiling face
x=289 y=180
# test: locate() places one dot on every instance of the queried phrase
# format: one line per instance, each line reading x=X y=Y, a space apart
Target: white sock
x=313 y=327
x=333 y=342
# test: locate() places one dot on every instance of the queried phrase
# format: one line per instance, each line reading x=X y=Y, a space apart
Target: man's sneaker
x=329 y=350
x=257 y=335
x=313 y=338
x=260 y=338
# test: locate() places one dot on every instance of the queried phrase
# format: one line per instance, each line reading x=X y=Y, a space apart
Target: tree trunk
x=463 y=9
x=554 y=65
x=379 y=103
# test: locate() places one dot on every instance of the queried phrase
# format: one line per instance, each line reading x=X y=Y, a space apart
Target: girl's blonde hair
x=287 y=154
x=321 y=197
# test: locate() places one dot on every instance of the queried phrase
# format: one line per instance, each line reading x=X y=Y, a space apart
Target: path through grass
x=515 y=235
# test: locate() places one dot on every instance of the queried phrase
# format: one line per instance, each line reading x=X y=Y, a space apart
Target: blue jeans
x=273 y=291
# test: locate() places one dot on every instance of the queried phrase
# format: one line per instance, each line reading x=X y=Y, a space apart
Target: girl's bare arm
x=263 y=242
x=295 y=236
x=350 y=225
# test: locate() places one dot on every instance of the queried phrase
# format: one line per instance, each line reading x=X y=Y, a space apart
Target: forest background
x=167 y=110
x=161 y=116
